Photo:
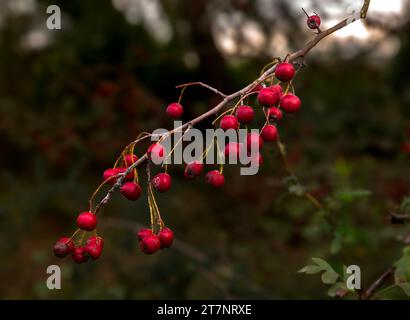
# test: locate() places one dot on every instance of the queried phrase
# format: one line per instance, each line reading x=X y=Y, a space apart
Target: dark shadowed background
x=71 y=99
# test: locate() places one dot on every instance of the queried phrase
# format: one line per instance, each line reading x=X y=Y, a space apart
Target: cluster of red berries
x=151 y=242
x=273 y=101
x=130 y=189
x=86 y=221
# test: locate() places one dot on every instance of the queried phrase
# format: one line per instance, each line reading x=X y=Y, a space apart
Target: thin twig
x=365 y=8
x=198 y=83
x=368 y=294
x=120 y=178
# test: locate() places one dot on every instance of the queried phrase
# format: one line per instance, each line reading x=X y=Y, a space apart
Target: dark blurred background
x=71 y=99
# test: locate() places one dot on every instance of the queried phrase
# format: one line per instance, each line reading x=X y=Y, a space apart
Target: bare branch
x=378 y=283
x=120 y=178
x=229 y=98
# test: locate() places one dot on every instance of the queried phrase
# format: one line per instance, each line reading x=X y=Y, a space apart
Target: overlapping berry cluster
x=80 y=254
x=275 y=100
x=130 y=189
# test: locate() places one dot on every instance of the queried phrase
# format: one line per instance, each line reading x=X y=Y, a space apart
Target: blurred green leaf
x=329 y=276
x=310 y=269
x=349 y=195
x=322 y=263
x=402 y=272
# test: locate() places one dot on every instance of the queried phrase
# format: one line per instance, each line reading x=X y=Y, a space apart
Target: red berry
x=253 y=141
x=143 y=233
x=162 y=182
x=130 y=176
x=87 y=221
x=156 y=153
x=80 y=255
x=175 y=110
x=268 y=97
x=285 y=71
x=131 y=190
x=269 y=133
x=278 y=89
x=129 y=159
x=313 y=21
x=215 y=178
x=109 y=175
x=244 y=114
x=166 y=236
x=95 y=239
x=94 y=250
x=275 y=114
x=229 y=122
x=290 y=103
x=63 y=247
x=150 y=244
x=193 y=170
x=233 y=150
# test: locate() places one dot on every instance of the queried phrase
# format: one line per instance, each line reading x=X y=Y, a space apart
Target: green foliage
x=329 y=275
x=402 y=272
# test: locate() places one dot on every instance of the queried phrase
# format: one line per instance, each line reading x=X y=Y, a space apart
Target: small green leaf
x=310 y=269
x=330 y=277
x=322 y=263
x=402 y=272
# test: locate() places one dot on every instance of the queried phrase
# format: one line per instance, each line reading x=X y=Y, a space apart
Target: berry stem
x=75 y=233
x=270 y=64
x=222 y=114
x=90 y=201
x=365 y=8
x=175 y=145
x=198 y=83
x=305 y=12
x=154 y=210
x=151 y=208
x=180 y=95
x=240 y=101
x=218 y=152
x=205 y=153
